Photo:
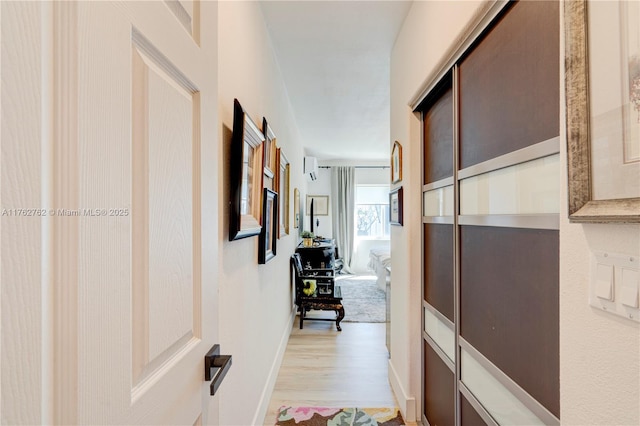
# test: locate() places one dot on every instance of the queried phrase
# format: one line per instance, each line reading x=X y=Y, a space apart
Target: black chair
x=326 y=296
x=338 y=264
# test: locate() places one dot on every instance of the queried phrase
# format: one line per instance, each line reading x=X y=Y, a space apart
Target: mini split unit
x=311 y=167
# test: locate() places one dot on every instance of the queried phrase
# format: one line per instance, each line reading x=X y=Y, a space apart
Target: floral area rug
x=322 y=416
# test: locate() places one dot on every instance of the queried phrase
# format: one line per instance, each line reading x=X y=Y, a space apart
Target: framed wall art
x=296 y=208
x=396 y=162
x=269 y=233
x=246 y=176
x=603 y=110
x=270 y=151
x=395 y=207
x=283 y=192
x=320 y=205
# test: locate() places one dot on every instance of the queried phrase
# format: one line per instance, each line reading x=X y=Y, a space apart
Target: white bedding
x=379 y=259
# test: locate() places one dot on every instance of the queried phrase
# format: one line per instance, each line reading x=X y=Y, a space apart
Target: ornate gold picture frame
x=396 y=162
x=583 y=208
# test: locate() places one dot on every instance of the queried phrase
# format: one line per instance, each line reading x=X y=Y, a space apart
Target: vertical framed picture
x=396 y=162
x=283 y=193
x=270 y=151
x=245 y=182
x=269 y=234
x=602 y=53
x=395 y=207
x=296 y=208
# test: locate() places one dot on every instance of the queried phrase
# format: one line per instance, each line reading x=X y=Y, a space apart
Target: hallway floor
x=324 y=367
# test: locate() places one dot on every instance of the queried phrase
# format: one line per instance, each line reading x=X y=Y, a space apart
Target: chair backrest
x=324 y=278
x=296 y=262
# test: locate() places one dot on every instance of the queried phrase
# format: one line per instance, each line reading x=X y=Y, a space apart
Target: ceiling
x=335 y=60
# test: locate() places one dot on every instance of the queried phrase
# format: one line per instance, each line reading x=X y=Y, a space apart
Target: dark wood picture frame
x=269 y=233
x=582 y=207
x=246 y=177
x=395 y=206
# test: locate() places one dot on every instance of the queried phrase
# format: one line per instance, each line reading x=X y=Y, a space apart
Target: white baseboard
x=265 y=398
x=407 y=403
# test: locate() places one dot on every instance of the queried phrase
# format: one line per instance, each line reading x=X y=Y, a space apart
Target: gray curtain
x=343 y=189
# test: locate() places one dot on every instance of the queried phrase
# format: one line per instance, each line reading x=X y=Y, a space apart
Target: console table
x=322 y=255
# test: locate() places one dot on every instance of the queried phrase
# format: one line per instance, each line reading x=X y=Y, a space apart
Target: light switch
x=614 y=284
x=604 y=281
x=630 y=284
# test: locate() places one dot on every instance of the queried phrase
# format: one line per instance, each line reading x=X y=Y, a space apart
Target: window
x=372 y=211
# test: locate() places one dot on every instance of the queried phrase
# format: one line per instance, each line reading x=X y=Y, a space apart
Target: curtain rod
x=357 y=167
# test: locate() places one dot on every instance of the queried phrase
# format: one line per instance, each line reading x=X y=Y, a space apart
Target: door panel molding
x=532 y=152
x=65 y=195
x=477 y=407
x=529 y=221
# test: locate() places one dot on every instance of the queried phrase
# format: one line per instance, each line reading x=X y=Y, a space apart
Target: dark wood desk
x=318 y=263
x=320 y=256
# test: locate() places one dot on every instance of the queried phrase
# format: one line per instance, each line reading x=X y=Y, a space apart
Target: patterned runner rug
x=322 y=416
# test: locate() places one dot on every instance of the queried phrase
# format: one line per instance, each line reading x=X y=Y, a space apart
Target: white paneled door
x=129 y=232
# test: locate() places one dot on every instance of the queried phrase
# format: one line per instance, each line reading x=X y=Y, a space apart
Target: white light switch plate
x=630 y=287
x=614 y=282
x=604 y=281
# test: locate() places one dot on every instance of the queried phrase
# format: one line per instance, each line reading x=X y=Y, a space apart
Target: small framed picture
x=320 y=205
x=395 y=207
x=396 y=163
x=269 y=234
x=282 y=183
x=270 y=151
x=296 y=208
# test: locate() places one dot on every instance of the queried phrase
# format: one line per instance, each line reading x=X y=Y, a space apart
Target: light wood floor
x=327 y=368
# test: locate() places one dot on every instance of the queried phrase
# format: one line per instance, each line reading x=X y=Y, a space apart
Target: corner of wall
x=407 y=404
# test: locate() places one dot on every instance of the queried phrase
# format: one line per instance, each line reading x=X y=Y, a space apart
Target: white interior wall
x=599 y=353
x=373 y=176
x=321 y=186
x=255 y=300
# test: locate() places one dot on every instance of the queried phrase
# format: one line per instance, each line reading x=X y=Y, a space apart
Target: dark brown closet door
x=439 y=389
x=469 y=416
x=438 y=253
x=438 y=267
x=491 y=273
x=438 y=138
x=509 y=84
x=509 y=304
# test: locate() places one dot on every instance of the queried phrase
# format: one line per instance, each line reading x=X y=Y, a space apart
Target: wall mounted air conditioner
x=311 y=167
